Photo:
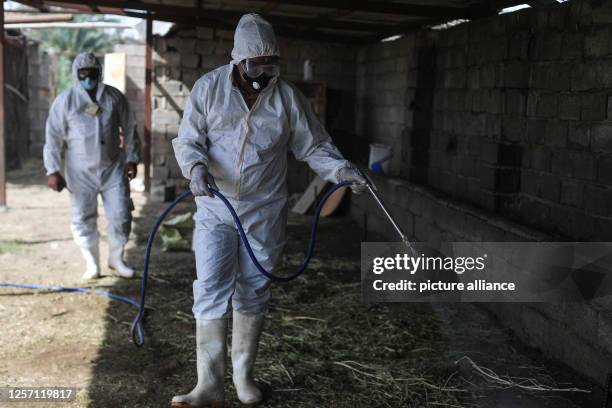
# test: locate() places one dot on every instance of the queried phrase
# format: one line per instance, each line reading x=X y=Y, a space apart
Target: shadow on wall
x=416 y=161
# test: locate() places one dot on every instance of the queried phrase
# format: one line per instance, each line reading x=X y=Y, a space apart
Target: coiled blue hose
x=137 y=329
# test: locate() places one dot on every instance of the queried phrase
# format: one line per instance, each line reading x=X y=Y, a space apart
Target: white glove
x=358 y=183
x=201 y=180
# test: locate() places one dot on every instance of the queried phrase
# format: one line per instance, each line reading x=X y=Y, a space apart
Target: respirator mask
x=258 y=72
x=88 y=78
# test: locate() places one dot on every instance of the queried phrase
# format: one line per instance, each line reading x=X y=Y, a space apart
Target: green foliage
x=68 y=42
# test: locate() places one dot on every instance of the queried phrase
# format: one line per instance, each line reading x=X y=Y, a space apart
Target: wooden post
x=146 y=146
x=2 y=124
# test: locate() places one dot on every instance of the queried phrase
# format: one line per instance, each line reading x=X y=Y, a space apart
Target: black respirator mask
x=257 y=74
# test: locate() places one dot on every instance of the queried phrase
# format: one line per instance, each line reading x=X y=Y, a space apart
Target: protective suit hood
x=254 y=37
x=85 y=60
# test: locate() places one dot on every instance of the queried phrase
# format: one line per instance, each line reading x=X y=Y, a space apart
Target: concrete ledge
x=579 y=335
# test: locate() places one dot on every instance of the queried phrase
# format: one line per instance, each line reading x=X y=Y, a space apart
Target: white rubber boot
x=211 y=351
x=115 y=260
x=92 y=262
x=246 y=330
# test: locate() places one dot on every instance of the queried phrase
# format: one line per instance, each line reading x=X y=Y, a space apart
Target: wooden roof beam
x=384 y=7
x=280 y=30
x=161 y=11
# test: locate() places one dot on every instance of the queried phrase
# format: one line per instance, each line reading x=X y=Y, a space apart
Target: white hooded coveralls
x=94 y=157
x=246 y=153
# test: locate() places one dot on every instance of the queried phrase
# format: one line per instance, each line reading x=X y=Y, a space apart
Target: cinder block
x=604 y=170
x=170 y=87
x=187 y=33
x=569 y=106
x=518 y=46
x=493 y=126
x=572 y=193
x=204 y=33
x=584 y=166
x=547 y=105
x=590 y=75
x=487 y=76
x=551 y=46
x=170 y=58
x=514 y=128
x=568 y=163
x=516 y=102
x=597 y=200
x=556 y=134
x=473 y=124
x=510 y=155
x=596 y=42
x=557 y=17
x=579 y=135
x=594 y=107
x=601 y=138
x=493 y=101
x=529 y=183
x=550 y=187
x=532 y=102
x=551 y=76
x=561 y=163
x=536 y=130
x=516 y=74
x=163 y=117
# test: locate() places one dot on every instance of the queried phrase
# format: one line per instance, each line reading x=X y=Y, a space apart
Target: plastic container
x=307 y=70
x=380 y=158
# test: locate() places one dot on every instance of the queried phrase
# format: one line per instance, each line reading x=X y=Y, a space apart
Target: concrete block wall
x=579 y=335
x=187 y=53
x=387 y=92
x=41 y=89
x=135 y=79
x=499 y=128
x=501 y=132
x=509 y=113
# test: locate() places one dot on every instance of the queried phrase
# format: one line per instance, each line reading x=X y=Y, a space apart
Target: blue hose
x=137 y=329
x=64 y=289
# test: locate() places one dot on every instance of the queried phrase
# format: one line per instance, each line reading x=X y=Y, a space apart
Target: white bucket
x=380 y=158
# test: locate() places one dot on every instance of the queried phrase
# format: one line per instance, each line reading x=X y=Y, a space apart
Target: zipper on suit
x=244 y=139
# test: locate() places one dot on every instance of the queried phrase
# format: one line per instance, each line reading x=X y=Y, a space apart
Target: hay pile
x=322 y=346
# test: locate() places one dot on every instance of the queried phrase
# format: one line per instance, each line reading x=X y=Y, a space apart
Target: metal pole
x=374 y=192
x=146 y=145
x=2 y=124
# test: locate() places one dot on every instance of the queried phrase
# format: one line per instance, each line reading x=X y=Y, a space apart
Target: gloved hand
x=56 y=181
x=131 y=170
x=201 y=180
x=353 y=176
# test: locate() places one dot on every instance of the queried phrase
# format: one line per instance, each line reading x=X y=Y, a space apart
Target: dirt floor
x=321 y=346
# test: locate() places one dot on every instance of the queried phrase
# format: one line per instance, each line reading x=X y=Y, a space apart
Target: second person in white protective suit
x=239 y=122
x=91 y=140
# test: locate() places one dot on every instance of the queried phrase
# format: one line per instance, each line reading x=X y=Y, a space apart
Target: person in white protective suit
x=92 y=128
x=238 y=124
